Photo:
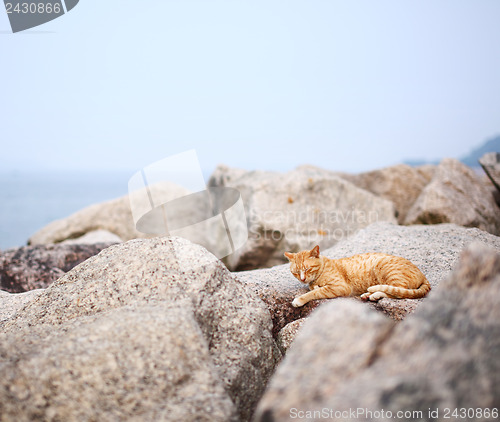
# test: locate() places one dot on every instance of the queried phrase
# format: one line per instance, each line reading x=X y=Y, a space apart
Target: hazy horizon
x=207 y=171
x=347 y=86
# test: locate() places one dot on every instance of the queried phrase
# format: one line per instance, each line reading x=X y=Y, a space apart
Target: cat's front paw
x=373 y=296
x=297 y=303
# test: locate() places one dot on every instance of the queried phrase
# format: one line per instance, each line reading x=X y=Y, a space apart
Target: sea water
x=31 y=200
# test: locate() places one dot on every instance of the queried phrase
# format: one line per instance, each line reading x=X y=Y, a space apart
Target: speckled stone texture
x=334 y=344
x=288 y=333
x=277 y=288
x=434 y=249
x=444 y=355
x=456 y=194
x=128 y=363
x=37 y=267
x=10 y=303
x=490 y=163
x=146 y=330
x=401 y=184
x=296 y=210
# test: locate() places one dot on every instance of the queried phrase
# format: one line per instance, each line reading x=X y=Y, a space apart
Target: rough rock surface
x=10 y=303
x=401 y=184
x=296 y=210
x=456 y=195
x=36 y=267
x=288 y=333
x=146 y=330
x=434 y=249
x=337 y=342
x=122 y=363
x=445 y=355
x=277 y=288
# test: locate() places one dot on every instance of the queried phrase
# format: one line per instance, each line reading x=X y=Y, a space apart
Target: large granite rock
x=297 y=210
x=150 y=363
x=335 y=344
x=401 y=184
x=434 y=249
x=444 y=356
x=36 y=267
x=456 y=195
x=146 y=330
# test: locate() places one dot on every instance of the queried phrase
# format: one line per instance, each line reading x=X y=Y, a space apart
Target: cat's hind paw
x=365 y=296
x=297 y=303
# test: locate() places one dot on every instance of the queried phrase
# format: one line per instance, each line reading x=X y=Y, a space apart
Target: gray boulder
x=456 y=195
x=444 y=356
x=401 y=184
x=434 y=249
x=146 y=330
x=296 y=210
x=36 y=267
x=335 y=344
x=130 y=363
x=490 y=163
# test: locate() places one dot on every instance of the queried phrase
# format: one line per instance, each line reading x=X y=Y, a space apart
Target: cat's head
x=305 y=265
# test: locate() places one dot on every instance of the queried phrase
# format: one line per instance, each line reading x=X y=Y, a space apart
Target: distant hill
x=493 y=145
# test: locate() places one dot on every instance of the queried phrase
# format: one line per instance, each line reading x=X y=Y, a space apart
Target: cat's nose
x=302 y=276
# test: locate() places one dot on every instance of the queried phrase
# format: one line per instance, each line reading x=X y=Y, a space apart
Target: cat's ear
x=289 y=255
x=314 y=252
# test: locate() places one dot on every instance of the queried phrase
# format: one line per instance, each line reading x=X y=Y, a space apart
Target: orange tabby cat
x=371 y=275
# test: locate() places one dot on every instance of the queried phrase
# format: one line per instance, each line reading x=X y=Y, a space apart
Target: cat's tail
x=402 y=292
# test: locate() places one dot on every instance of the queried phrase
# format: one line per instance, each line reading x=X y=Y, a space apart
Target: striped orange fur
x=371 y=275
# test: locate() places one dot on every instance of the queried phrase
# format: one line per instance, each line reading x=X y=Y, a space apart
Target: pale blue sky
x=347 y=85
